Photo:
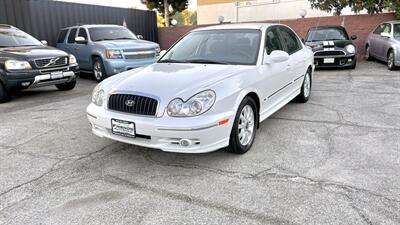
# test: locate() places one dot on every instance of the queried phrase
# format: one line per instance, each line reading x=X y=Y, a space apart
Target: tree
x=371 y=6
x=163 y=7
x=186 y=17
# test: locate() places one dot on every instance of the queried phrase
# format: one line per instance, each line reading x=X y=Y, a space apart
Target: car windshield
x=397 y=31
x=111 y=33
x=237 y=47
x=17 y=38
x=327 y=34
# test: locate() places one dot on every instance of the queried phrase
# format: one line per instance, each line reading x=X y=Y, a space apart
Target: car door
x=81 y=50
x=275 y=75
x=382 y=42
x=297 y=62
x=373 y=40
x=69 y=45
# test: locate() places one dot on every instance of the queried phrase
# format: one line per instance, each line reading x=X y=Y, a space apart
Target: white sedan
x=209 y=91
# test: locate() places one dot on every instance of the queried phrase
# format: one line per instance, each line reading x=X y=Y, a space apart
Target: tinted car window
x=15 y=38
x=273 y=42
x=290 y=40
x=110 y=33
x=71 y=37
x=387 y=28
x=61 y=36
x=238 y=47
x=379 y=29
x=327 y=34
x=396 y=31
x=83 y=33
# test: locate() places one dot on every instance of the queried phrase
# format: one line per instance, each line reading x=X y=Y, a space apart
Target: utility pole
x=166 y=13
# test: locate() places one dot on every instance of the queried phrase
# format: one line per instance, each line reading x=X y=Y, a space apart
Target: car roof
x=327 y=26
x=93 y=25
x=229 y=26
x=394 y=22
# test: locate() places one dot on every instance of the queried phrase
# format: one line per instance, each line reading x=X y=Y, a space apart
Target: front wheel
x=66 y=86
x=244 y=128
x=4 y=94
x=99 y=70
x=368 y=53
x=391 y=60
x=305 y=93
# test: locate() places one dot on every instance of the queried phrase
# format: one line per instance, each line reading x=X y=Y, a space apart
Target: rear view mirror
x=44 y=42
x=354 y=37
x=384 y=34
x=139 y=36
x=80 y=40
x=276 y=57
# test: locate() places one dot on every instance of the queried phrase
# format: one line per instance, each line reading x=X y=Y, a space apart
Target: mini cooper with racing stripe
x=332 y=47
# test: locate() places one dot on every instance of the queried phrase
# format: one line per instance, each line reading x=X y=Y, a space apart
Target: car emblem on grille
x=51 y=62
x=130 y=102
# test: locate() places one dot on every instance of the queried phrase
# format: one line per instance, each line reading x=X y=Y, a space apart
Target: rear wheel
x=4 y=94
x=99 y=70
x=305 y=88
x=244 y=128
x=66 y=86
x=391 y=60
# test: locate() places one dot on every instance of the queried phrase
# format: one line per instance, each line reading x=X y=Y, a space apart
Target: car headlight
x=158 y=50
x=17 y=65
x=350 y=49
x=113 y=54
x=72 y=59
x=196 y=105
x=98 y=96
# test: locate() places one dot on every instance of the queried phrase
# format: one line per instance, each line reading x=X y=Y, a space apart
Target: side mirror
x=162 y=53
x=139 y=36
x=276 y=56
x=302 y=40
x=354 y=37
x=81 y=40
x=44 y=42
x=384 y=34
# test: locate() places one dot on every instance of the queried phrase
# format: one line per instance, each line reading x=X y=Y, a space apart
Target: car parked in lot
x=106 y=50
x=209 y=91
x=384 y=44
x=332 y=47
x=27 y=63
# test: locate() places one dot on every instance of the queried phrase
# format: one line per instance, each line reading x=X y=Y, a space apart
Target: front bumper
x=37 y=78
x=115 y=66
x=165 y=133
x=339 y=62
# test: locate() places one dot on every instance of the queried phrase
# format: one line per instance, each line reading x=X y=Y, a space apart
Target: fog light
x=25 y=84
x=185 y=142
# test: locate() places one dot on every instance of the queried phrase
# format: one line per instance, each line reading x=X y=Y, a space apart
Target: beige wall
x=245 y=11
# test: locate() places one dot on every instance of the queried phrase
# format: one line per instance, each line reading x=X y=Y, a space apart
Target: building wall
x=208 y=11
x=360 y=25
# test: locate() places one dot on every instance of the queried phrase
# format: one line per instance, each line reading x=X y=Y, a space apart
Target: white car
x=209 y=91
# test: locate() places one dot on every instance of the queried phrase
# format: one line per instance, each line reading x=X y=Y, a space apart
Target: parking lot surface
x=334 y=160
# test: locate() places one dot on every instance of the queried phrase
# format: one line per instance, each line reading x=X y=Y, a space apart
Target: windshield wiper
x=105 y=39
x=125 y=38
x=171 y=61
x=206 y=61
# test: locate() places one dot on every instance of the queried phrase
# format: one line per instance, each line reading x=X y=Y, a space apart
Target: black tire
x=98 y=69
x=4 y=94
x=391 y=60
x=303 y=97
x=235 y=145
x=66 y=86
x=367 y=54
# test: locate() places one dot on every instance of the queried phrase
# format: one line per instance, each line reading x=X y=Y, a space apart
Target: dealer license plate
x=123 y=128
x=56 y=75
x=329 y=60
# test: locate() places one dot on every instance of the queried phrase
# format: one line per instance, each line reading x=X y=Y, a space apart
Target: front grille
x=51 y=62
x=329 y=53
x=140 y=105
x=139 y=53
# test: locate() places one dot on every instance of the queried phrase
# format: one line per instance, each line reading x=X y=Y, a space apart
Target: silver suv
x=384 y=44
x=106 y=50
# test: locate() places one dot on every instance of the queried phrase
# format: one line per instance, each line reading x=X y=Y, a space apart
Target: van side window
x=71 y=37
x=61 y=36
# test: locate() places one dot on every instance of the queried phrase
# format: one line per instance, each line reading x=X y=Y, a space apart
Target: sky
x=124 y=3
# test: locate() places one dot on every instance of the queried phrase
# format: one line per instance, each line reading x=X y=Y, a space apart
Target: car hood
x=330 y=44
x=128 y=44
x=31 y=52
x=169 y=81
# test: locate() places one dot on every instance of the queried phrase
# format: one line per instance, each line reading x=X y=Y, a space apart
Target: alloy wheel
x=98 y=73
x=391 y=60
x=307 y=85
x=246 y=125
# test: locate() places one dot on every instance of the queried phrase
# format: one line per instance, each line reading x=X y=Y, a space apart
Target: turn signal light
x=222 y=122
